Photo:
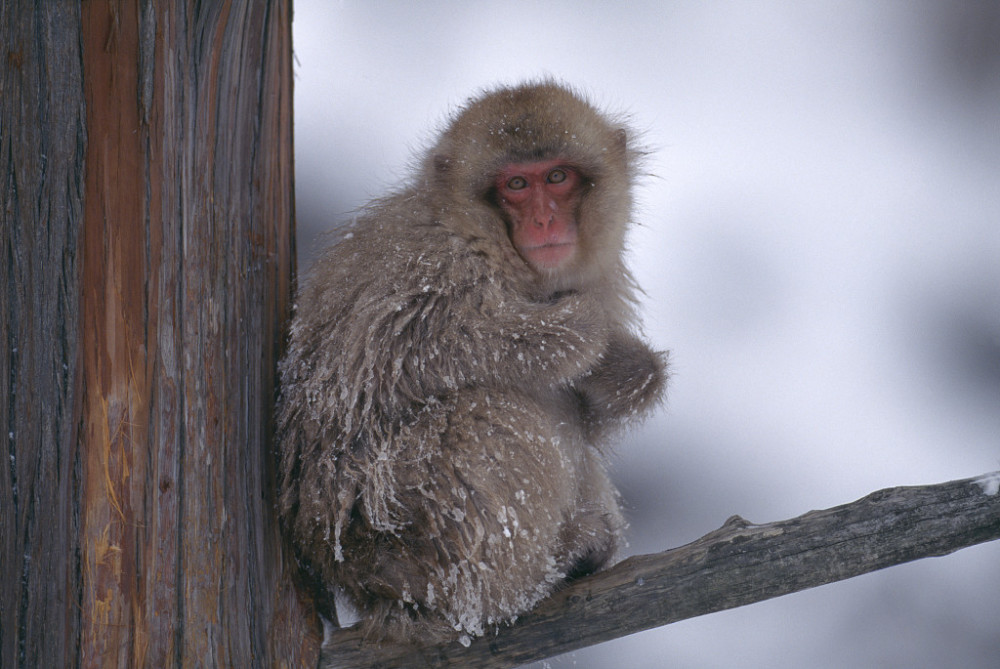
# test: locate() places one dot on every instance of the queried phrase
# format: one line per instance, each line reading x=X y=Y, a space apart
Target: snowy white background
x=820 y=248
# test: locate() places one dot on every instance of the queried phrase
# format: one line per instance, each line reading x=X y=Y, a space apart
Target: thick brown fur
x=444 y=406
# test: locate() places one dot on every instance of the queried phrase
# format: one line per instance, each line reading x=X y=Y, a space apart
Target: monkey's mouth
x=549 y=256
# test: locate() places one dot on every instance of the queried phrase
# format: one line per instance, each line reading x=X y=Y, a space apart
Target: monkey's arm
x=503 y=343
x=628 y=381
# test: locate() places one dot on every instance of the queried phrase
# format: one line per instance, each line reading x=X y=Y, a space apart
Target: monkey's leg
x=592 y=534
x=487 y=487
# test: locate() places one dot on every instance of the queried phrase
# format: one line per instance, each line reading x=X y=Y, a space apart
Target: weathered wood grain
x=42 y=140
x=146 y=257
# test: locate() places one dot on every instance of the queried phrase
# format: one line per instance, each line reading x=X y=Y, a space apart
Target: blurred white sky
x=820 y=250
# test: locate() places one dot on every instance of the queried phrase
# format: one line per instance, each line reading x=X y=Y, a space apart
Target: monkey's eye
x=557 y=176
x=517 y=183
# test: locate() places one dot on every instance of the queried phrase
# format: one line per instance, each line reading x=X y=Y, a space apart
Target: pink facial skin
x=540 y=200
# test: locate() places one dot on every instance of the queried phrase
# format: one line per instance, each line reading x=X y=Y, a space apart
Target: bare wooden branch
x=738 y=564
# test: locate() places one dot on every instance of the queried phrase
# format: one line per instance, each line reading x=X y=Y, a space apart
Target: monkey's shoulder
x=397 y=257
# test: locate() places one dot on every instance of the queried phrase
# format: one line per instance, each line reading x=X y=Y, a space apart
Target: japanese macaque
x=458 y=363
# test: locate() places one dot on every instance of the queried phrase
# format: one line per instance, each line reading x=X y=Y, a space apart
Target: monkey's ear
x=444 y=170
x=442 y=163
x=617 y=152
x=621 y=135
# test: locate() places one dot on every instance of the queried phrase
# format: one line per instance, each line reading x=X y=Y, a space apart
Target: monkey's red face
x=540 y=200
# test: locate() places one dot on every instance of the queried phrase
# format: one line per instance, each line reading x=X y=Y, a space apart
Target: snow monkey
x=458 y=362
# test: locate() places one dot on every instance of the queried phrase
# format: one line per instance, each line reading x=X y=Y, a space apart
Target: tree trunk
x=145 y=262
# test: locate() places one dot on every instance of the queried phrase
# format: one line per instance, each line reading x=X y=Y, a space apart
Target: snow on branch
x=738 y=564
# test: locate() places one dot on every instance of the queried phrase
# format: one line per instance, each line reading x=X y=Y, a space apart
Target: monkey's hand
x=627 y=382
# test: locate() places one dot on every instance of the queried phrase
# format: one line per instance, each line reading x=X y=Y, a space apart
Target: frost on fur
x=446 y=395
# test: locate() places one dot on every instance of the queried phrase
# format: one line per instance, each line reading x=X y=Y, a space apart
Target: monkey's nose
x=543 y=221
